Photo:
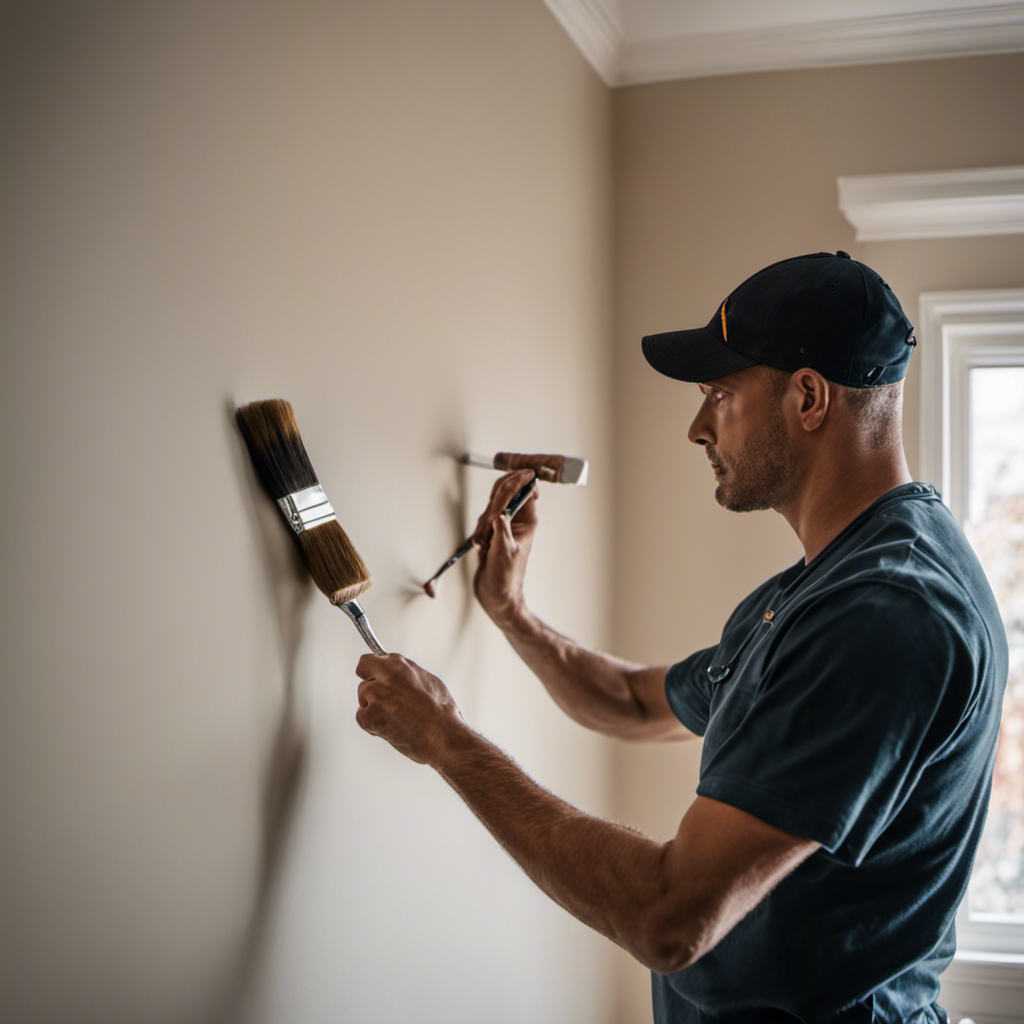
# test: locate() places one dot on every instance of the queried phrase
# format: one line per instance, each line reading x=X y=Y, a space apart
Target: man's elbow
x=670 y=959
x=675 y=947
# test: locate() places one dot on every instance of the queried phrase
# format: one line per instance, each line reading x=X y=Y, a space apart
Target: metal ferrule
x=307 y=508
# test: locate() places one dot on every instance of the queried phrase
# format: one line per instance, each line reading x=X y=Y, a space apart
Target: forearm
x=667 y=904
x=610 y=877
x=598 y=690
x=593 y=688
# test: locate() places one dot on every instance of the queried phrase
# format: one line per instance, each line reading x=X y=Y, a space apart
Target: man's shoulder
x=901 y=579
x=902 y=572
x=910 y=555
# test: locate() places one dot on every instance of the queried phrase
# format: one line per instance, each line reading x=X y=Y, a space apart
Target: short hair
x=878 y=410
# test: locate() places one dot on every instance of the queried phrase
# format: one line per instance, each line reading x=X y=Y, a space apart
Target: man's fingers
x=365 y=719
x=506 y=486
x=362 y=692
x=369 y=665
x=502 y=536
x=527 y=513
x=371 y=715
x=503 y=491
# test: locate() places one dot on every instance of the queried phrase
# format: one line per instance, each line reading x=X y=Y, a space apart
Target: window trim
x=960 y=331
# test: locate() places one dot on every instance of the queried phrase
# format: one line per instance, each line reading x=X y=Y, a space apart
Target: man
x=850 y=710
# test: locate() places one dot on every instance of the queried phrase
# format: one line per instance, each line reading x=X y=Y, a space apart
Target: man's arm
x=665 y=903
x=601 y=692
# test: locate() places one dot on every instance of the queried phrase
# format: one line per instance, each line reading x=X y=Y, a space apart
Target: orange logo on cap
x=725 y=333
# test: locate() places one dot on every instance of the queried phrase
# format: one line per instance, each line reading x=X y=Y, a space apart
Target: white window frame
x=960 y=331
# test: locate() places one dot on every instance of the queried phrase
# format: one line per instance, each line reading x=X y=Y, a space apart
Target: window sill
x=985 y=987
x=970 y=956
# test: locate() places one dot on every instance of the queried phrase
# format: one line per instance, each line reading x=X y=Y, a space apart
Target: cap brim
x=694 y=356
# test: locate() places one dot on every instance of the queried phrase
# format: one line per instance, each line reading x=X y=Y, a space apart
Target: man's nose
x=700 y=431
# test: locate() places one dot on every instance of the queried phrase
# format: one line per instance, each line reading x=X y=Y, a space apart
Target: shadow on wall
x=456 y=510
x=455 y=501
x=291 y=590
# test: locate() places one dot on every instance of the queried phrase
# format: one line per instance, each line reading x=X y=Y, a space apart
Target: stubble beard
x=761 y=474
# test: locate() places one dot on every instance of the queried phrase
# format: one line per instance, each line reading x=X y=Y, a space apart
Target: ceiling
x=632 y=41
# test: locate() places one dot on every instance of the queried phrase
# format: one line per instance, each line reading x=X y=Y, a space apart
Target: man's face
x=743 y=431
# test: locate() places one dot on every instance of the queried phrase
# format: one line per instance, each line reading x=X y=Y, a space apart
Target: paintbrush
x=555 y=469
x=509 y=511
x=279 y=457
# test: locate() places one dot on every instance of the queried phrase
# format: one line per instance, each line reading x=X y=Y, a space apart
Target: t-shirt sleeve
x=859 y=694
x=688 y=691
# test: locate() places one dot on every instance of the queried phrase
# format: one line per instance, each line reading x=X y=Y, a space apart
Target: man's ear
x=813 y=394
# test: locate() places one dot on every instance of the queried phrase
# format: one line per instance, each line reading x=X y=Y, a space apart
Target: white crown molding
x=961 y=32
x=941 y=204
x=593 y=25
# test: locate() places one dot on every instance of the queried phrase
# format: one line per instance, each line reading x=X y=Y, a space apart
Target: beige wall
x=716 y=178
x=398 y=215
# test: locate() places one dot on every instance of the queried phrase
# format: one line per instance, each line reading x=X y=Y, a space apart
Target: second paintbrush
x=279 y=457
x=510 y=510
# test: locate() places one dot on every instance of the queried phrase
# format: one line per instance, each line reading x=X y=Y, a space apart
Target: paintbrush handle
x=465 y=549
x=547 y=467
x=353 y=610
x=467 y=545
x=520 y=499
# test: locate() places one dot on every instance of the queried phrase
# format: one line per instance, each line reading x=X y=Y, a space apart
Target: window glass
x=995 y=527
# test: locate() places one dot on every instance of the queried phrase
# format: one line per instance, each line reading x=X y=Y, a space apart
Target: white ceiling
x=631 y=41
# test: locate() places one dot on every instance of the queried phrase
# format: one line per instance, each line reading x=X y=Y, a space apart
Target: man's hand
x=504 y=548
x=407 y=706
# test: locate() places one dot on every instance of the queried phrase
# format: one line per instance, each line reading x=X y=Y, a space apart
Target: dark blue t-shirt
x=854 y=701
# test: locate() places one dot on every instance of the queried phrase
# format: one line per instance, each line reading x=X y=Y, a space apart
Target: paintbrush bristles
x=279 y=457
x=334 y=563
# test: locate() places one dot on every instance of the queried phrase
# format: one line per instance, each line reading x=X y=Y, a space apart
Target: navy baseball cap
x=826 y=311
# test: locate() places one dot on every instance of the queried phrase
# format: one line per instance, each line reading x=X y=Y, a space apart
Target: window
x=972 y=448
